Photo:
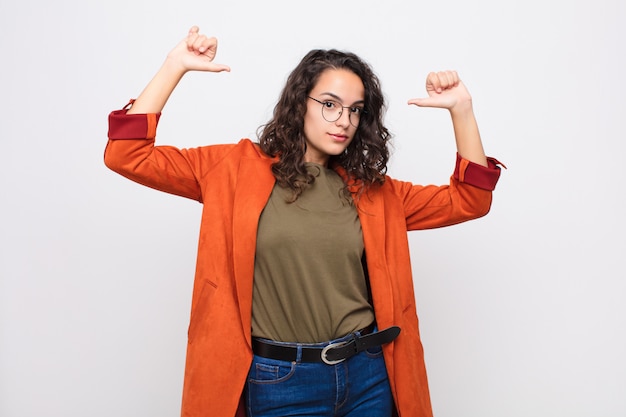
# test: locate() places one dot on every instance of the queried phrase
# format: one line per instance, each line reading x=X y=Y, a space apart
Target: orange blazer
x=234 y=183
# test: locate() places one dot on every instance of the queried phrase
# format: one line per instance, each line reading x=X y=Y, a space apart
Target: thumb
x=420 y=102
x=437 y=101
x=220 y=68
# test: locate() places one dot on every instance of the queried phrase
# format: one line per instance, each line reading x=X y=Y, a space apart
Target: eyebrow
x=336 y=97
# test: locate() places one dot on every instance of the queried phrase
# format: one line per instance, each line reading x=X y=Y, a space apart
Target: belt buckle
x=332 y=346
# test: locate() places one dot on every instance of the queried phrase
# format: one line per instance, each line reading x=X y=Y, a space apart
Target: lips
x=338 y=137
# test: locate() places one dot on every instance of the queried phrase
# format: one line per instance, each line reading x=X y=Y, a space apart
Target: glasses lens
x=331 y=111
x=355 y=115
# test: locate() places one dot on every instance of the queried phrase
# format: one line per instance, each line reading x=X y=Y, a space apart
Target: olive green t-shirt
x=309 y=283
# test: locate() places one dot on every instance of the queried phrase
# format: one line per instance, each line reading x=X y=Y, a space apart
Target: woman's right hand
x=196 y=53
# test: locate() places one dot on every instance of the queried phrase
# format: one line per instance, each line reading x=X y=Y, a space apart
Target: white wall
x=522 y=312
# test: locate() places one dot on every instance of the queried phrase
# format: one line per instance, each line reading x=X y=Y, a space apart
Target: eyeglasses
x=332 y=111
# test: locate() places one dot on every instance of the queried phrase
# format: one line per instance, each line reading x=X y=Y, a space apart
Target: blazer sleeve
x=131 y=152
x=467 y=196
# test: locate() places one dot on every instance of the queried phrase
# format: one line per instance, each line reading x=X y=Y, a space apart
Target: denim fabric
x=358 y=386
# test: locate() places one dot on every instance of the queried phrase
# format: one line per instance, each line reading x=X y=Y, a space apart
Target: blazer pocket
x=200 y=311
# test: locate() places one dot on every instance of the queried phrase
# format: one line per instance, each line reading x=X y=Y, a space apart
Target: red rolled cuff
x=132 y=126
x=477 y=175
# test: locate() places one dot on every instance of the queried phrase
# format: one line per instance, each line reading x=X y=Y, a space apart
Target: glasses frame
x=350 y=112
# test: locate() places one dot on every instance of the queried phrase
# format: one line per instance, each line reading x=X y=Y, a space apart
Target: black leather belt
x=331 y=354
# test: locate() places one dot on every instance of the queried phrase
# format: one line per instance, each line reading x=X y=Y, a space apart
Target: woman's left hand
x=445 y=90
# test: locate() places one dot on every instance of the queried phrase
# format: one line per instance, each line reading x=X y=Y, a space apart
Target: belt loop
x=299 y=353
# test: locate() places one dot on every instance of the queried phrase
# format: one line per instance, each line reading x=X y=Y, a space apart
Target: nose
x=344 y=118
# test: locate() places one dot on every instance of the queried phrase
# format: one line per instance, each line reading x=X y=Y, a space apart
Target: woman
x=303 y=276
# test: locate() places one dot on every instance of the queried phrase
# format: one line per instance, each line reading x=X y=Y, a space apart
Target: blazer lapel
x=371 y=210
x=254 y=186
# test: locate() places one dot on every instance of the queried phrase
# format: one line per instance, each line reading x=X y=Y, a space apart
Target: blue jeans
x=359 y=386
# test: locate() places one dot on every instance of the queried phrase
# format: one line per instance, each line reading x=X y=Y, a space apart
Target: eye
x=330 y=104
x=356 y=110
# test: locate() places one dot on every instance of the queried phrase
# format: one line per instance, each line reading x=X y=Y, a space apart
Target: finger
x=198 y=43
x=455 y=78
x=205 y=44
x=452 y=79
x=433 y=82
x=191 y=38
x=202 y=44
x=445 y=79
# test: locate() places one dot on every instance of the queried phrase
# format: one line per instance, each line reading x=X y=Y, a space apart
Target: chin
x=337 y=150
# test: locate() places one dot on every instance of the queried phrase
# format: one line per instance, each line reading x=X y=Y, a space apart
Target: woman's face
x=323 y=138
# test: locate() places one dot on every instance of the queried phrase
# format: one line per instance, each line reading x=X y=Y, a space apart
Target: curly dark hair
x=365 y=159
